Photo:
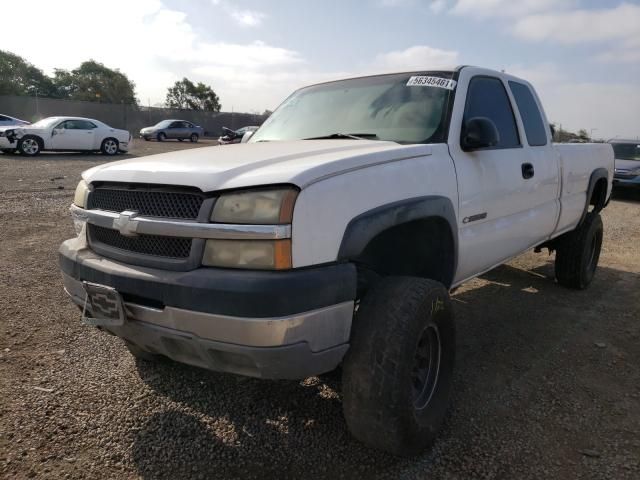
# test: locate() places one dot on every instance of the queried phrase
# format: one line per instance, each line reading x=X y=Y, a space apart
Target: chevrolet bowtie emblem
x=126 y=224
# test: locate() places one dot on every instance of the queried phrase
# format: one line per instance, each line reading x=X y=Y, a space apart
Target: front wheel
x=194 y=138
x=398 y=372
x=30 y=146
x=161 y=137
x=578 y=252
x=109 y=146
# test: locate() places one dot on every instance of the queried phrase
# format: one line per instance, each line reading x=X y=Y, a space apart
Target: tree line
x=94 y=82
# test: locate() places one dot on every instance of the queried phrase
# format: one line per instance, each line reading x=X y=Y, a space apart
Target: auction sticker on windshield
x=423 y=81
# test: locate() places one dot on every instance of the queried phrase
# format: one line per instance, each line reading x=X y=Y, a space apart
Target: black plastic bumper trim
x=241 y=293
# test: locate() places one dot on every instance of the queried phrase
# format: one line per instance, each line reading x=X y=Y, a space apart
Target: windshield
x=626 y=151
x=163 y=124
x=403 y=108
x=45 y=122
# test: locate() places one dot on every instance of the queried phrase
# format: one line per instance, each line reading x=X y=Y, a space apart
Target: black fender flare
x=597 y=174
x=363 y=228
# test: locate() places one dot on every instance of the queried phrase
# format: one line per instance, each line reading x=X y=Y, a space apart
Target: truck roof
x=447 y=69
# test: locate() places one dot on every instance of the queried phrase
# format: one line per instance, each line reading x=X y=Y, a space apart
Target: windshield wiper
x=354 y=136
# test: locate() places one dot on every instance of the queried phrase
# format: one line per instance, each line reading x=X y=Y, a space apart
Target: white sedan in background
x=7 y=121
x=64 y=134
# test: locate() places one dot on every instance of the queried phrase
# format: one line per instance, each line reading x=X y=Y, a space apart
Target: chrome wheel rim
x=426 y=367
x=30 y=146
x=110 y=147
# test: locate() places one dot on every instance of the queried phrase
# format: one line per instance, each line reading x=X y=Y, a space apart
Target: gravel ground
x=547 y=381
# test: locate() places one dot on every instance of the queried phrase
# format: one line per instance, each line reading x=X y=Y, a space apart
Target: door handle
x=527 y=171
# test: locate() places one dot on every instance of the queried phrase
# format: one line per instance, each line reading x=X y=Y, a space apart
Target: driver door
x=73 y=135
x=497 y=217
x=175 y=130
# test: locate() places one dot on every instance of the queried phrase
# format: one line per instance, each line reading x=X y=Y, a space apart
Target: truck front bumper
x=280 y=325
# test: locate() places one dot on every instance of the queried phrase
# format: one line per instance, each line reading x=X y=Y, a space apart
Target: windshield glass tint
x=163 y=124
x=627 y=151
x=383 y=106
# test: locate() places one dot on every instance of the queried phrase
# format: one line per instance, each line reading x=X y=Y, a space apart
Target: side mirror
x=479 y=132
x=57 y=131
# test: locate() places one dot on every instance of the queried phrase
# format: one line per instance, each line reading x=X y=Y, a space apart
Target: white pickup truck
x=333 y=237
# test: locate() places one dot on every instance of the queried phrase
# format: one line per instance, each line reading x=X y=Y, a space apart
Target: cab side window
x=84 y=125
x=530 y=113
x=487 y=97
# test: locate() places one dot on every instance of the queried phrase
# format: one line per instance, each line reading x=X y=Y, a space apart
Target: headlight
x=257 y=207
x=272 y=206
x=80 y=197
x=252 y=254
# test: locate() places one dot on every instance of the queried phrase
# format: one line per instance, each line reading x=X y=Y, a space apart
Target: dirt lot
x=547 y=383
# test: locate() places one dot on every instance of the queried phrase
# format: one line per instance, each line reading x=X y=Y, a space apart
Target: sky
x=583 y=56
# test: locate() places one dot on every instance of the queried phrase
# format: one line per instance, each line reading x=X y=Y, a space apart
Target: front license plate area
x=103 y=306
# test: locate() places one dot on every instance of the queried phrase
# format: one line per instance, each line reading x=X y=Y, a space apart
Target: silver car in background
x=627 y=167
x=173 y=130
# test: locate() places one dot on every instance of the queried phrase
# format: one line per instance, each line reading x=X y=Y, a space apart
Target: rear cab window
x=530 y=113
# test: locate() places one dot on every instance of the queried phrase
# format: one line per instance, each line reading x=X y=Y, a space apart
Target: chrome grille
x=154 y=245
x=147 y=202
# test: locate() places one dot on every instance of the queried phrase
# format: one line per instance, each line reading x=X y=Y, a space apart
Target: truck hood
x=300 y=162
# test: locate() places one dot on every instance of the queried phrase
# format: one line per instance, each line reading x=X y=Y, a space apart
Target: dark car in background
x=627 y=167
x=235 y=136
x=173 y=130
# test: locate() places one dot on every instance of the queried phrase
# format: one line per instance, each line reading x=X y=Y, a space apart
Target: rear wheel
x=161 y=137
x=194 y=138
x=398 y=372
x=578 y=252
x=109 y=146
x=30 y=145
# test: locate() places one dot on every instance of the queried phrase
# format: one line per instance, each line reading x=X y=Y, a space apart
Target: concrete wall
x=128 y=117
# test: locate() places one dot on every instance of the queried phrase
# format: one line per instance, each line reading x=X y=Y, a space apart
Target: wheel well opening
x=599 y=195
x=420 y=248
